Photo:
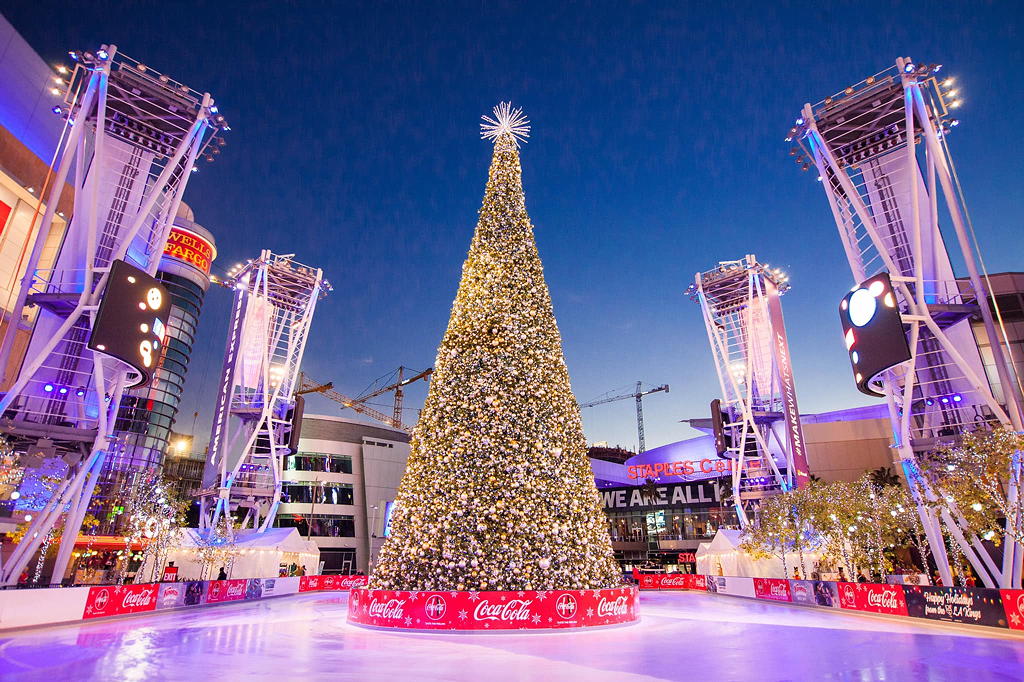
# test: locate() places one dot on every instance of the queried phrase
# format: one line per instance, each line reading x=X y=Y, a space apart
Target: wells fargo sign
x=189 y=247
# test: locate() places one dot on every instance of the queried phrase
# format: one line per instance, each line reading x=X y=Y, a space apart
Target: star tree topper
x=506 y=120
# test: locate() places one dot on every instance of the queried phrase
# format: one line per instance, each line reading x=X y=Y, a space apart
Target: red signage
x=116 y=600
x=187 y=246
x=687 y=558
x=1013 y=605
x=671 y=581
x=688 y=468
x=776 y=589
x=225 y=590
x=311 y=583
x=873 y=597
x=525 y=610
x=170 y=574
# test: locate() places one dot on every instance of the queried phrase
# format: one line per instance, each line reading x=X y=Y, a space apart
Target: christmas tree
x=498 y=493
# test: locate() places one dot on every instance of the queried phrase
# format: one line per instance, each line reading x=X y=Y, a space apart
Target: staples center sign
x=187 y=246
x=681 y=469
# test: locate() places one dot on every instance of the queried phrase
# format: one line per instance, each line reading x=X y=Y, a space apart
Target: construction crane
x=638 y=395
x=307 y=385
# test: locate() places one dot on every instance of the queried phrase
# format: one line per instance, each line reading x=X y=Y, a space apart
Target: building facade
x=339 y=485
x=147 y=414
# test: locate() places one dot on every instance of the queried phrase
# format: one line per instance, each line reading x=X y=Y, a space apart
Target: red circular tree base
x=488 y=611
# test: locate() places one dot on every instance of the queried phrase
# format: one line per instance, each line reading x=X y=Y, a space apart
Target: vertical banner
x=780 y=346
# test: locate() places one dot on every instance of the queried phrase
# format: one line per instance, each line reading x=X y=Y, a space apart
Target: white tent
x=723 y=556
x=259 y=555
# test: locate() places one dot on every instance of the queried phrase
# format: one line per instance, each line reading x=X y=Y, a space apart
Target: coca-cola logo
x=351 y=582
x=884 y=599
x=215 y=588
x=673 y=581
x=235 y=590
x=435 y=607
x=512 y=610
x=392 y=609
x=1020 y=604
x=617 y=607
x=101 y=600
x=137 y=599
x=565 y=607
x=848 y=594
x=778 y=589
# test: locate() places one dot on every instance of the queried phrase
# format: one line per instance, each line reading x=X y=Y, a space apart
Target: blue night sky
x=657 y=150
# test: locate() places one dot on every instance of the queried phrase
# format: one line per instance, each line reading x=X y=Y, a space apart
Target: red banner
x=116 y=600
x=343 y=582
x=776 y=589
x=493 y=610
x=873 y=597
x=671 y=581
x=1013 y=605
x=311 y=583
x=225 y=590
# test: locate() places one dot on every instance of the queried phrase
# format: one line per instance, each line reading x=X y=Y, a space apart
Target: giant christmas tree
x=498 y=493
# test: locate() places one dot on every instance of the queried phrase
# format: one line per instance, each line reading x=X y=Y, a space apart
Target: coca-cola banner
x=1013 y=606
x=524 y=610
x=776 y=589
x=115 y=600
x=873 y=597
x=671 y=581
x=225 y=590
x=976 y=606
x=814 y=592
x=176 y=595
x=310 y=583
x=342 y=582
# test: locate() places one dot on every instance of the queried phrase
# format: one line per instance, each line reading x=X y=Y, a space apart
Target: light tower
x=128 y=148
x=764 y=440
x=879 y=149
x=253 y=425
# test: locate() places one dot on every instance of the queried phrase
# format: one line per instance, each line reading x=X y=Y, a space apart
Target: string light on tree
x=498 y=493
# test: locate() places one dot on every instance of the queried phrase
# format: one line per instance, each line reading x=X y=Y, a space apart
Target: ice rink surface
x=682 y=636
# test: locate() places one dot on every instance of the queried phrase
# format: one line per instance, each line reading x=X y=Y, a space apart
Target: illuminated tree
x=498 y=493
x=974 y=479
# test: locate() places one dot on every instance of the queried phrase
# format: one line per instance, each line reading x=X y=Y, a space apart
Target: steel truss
x=273 y=309
x=740 y=303
x=879 y=148
x=132 y=136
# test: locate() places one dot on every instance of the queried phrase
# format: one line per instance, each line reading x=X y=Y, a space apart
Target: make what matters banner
x=873 y=597
x=493 y=610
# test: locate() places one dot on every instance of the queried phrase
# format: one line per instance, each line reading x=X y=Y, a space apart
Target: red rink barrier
x=775 y=589
x=671 y=581
x=117 y=600
x=525 y=610
x=874 y=598
x=225 y=590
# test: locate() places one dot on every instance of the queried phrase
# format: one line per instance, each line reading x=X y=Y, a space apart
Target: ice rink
x=682 y=636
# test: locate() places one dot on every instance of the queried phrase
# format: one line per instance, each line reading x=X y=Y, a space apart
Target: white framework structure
x=743 y=316
x=879 y=148
x=132 y=136
x=273 y=309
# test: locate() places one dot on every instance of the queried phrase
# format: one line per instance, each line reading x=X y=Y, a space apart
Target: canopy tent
x=723 y=556
x=258 y=555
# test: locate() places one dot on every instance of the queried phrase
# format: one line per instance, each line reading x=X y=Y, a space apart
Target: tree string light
x=506 y=121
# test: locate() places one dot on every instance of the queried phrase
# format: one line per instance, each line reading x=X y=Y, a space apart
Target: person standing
x=222 y=574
